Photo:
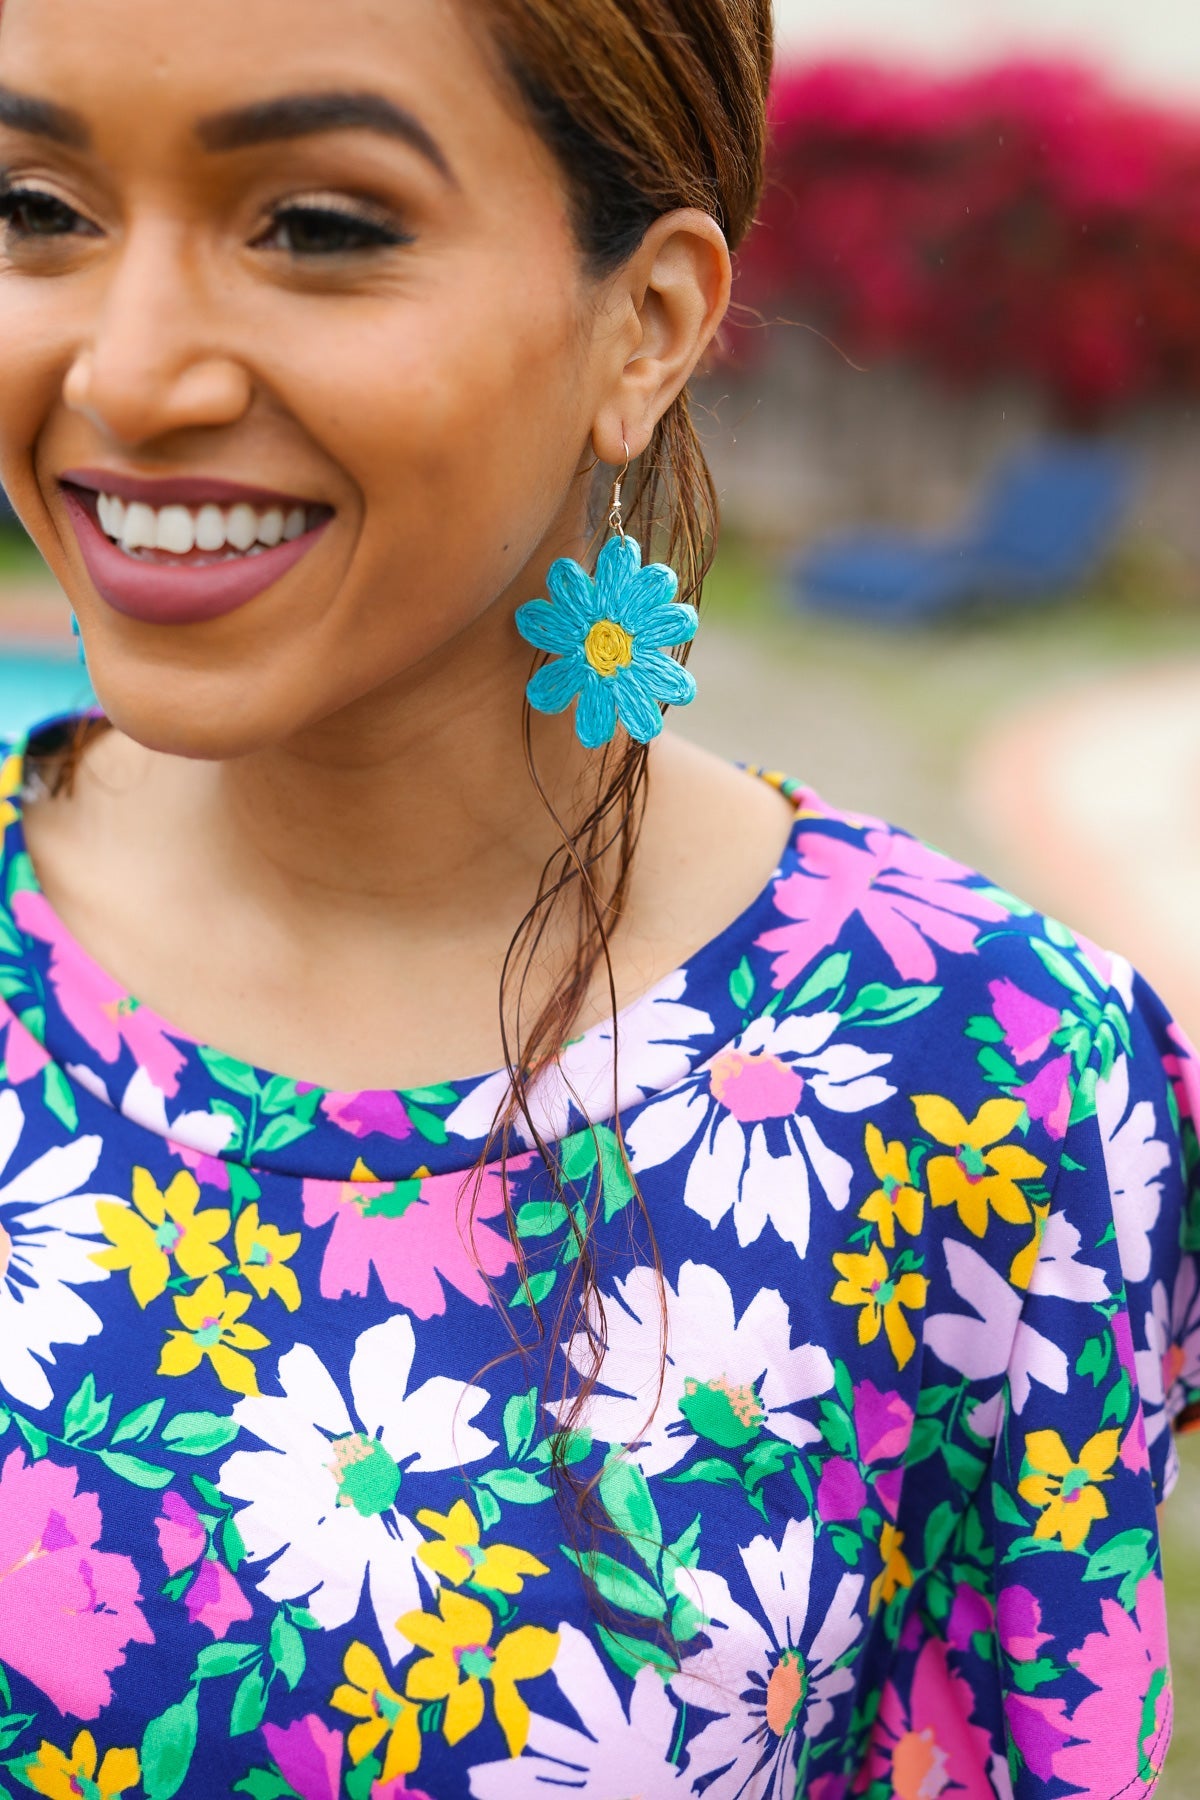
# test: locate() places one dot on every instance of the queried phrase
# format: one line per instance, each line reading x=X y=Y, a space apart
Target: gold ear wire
x=615 y=522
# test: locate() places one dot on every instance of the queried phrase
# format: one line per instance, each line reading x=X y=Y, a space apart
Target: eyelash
x=371 y=233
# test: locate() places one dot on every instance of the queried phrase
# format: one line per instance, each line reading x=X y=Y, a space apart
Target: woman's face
x=314 y=252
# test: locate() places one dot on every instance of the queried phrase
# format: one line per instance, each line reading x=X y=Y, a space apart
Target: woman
x=779 y=1405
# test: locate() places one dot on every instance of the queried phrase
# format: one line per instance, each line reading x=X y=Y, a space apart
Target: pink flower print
x=1040 y=1728
x=1019 y=1624
x=931 y=1745
x=24 y=1057
x=889 y=1484
x=906 y=894
x=50 y=1570
x=373 y=1111
x=182 y=1539
x=841 y=1491
x=754 y=1086
x=883 y=1422
x=308 y=1754
x=971 y=1612
x=100 y=1010
x=1125 y=1726
x=1028 y=1023
x=1184 y=1073
x=215 y=1600
x=413 y=1233
x=1048 y=1096
x=396 y=1789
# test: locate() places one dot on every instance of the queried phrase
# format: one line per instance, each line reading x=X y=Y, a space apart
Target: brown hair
x=648 y=106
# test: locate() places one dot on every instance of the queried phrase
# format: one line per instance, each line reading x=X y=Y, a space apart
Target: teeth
x=180 y=529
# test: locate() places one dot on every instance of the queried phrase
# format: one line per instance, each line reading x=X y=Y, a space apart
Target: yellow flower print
x=11 y=775
x=1065 y=1487
x=65 y=1776
x=462 y=1657
x=164 y=1226
x=367 y=1695
x=210 y=1318
x=262 y=1253
x=896 y=1571
x=458 y=1557
x=1025 y=1261
x=895 y=1200
x=983 y=1171
x=869 y=1282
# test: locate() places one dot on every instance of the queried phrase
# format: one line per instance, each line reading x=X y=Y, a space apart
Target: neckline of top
x=223 y=1112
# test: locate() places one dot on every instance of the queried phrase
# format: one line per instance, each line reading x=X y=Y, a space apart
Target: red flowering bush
x=1021 y=222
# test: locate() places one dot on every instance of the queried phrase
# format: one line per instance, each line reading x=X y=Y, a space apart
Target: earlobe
x=677 y=283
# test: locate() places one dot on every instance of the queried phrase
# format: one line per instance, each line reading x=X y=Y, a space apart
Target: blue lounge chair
x=1047 y=519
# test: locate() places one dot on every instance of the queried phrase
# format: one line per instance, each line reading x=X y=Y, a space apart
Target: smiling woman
x=759 y=1379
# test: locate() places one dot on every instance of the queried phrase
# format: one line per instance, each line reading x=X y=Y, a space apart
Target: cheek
x=37 y=329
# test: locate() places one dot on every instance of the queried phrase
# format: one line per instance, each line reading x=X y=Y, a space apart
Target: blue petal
x=547 y=627
x=571 y=587
x=596 y=714
x=674 y=624
x=667 y=680
x=553 y=688
x=639 y=715
x=656 y=585
x=617 y=566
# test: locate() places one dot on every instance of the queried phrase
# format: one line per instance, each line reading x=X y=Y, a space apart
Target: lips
x=188 y=593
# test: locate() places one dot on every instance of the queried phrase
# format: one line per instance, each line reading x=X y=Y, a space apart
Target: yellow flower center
x=608 y=647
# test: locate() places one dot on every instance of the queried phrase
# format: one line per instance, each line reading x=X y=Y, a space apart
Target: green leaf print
x=1131 y=1555
x=233 y=1545
x=520 y=1423
x=824 y=979
x=430 y=1096
x=431 y=1128
x=139 y=1424
x=37 y=1440
x=1028 y=1676
x=876 y=1004
x=58 y=1097
x=534 y=1289
x=621 y=1586
x=265 y=1784
x=85 y=1416
x=242 y=1187
x=227 y=1072
x=632 y=1654
x=741 y=985
x=626 y=1497
x=578 y=1155
x=1057 y=966
x=516 y=1486
x=282 y=1131
x=541 y=1218
x=616 y=1185
x=133 y=1469
x=225 y=1659
x=360 y=1781
x=278 y=1094
x=287 y=1649
x=487 y=1506
x=168 y=1746
x=21 y=878
x=249 y=1705
x=199 y=1433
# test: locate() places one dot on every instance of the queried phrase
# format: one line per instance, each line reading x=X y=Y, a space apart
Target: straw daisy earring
x=609 y=634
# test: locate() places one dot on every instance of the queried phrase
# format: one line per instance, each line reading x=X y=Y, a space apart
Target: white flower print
x=1135 y=1158
x=726 y=1379
x=1153 y=1363
x=997 y=1339
x=326 y=1500
x=781 y=1688
x=752 y=1110
x=652 y=1039
x=1184 y=1356
x=1058 y=1271
x=205 y=1132
x=612 y=1754
x=48 y=1233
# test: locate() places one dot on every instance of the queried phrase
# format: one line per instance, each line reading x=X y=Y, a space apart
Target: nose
x=153 y=363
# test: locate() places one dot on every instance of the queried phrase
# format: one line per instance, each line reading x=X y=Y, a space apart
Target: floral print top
x=277 y=1512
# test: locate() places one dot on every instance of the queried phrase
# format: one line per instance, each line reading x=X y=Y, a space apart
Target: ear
x=670 y=297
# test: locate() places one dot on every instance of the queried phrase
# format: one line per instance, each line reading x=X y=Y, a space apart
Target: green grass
x=20 y=561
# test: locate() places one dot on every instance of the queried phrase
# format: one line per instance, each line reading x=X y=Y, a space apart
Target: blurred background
x=954 y=426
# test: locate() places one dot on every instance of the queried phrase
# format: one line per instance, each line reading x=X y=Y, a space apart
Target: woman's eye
x=327 y=231
x=30 y=213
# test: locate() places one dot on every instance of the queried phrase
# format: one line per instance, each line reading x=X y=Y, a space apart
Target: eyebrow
x=244 y=127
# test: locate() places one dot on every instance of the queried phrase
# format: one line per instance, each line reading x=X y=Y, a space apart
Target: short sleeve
x=1105 y=1359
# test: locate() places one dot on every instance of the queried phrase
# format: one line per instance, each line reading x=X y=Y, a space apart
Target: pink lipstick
x=165 y=588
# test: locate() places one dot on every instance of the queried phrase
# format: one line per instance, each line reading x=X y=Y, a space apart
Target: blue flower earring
x=609 y=634
x=78 y=636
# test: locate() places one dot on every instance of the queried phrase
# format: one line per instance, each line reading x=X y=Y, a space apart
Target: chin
x=209 y=717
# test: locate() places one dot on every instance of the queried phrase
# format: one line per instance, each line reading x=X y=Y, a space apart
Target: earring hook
x=615 y=522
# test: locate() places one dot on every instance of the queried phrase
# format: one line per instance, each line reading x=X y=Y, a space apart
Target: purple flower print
x=883 y=1422
x=214 y=1598
x=1040 y=1728
x=1028 y=1024
x=841 y=1491
x=1048 y=1096
x=368 y=1114
x=308 y=1754
x=101 y=1011
x=417 y=1235
x=971 y=1612
x=50 y=1569
x=1019 y=1624
x=906 y=894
